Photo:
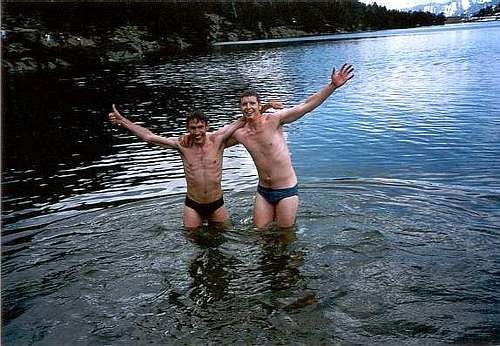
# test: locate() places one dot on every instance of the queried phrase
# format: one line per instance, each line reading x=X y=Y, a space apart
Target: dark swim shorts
x=273 y=196
x=206 y=209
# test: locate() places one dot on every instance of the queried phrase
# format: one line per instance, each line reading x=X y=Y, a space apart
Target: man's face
x=249 y=105
x=197 y=130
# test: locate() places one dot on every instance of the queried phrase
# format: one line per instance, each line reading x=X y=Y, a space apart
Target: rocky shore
x=29 y=46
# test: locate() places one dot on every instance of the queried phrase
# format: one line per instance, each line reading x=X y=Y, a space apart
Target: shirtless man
x=277 y=193
x=202 y=154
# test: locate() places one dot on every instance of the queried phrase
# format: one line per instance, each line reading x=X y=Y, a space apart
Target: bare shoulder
x=240 y=131
x=214 y=136
x=218 y=133
x=273 y=120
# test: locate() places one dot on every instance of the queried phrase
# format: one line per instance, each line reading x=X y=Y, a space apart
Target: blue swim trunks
x=273 y=196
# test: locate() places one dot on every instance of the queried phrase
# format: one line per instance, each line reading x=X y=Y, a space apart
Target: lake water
x=397 y=233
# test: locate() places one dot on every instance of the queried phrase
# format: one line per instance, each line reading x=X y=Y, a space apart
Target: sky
x=398 y=4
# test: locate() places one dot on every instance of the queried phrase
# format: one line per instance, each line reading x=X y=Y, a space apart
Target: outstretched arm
x=227 y=131
x=337 y=80
x=116 y=118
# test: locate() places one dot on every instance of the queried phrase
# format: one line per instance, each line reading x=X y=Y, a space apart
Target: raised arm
x=337 y=80
x=116 y=118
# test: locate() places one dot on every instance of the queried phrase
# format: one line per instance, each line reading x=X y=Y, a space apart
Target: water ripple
x=398 y=227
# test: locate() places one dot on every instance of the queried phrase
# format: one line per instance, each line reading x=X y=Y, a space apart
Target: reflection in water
x=228 y=289
x=210 y=271
x=209 y=235
x=369 y=260
x=279 y=263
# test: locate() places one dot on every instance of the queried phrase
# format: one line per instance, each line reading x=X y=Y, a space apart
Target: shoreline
x=40 y=51
x=355 y=35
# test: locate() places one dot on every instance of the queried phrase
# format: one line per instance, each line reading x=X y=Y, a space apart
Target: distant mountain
x=456 y=8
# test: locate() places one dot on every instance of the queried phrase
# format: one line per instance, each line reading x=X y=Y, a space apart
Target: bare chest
x=202 y=157
x=260 y=139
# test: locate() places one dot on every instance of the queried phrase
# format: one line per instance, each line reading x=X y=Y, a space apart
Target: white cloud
x=398 y=4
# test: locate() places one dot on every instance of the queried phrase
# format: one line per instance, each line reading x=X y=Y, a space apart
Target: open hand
x=341 y=77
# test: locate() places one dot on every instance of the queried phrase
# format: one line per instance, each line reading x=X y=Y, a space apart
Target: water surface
x=398 y=229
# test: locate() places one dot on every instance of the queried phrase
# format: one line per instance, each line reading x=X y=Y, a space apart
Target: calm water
x=398 y=229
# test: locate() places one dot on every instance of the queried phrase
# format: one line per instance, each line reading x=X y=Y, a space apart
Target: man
x=202 y=154
x=277 y=193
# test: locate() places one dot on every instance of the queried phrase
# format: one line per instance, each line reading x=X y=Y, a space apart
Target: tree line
x=189 y=18
x=326 y=16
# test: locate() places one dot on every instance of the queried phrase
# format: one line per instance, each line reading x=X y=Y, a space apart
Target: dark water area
x=397 y=233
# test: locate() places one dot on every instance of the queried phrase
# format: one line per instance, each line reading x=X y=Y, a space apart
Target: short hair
x=196 y=115
x=249 y=93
